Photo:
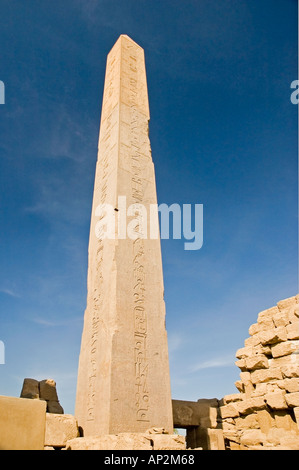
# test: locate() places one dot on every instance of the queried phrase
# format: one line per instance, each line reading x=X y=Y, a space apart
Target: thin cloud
x=10 y=292
x=44 y=322
x=216 y=362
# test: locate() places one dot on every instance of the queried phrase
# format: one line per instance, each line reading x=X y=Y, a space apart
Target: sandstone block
x=286 y=303
x=281 y=319
x=273 y=336
x=252 y=341
x=232 y=435
x=229 y=411
x=210 y=439
x=122 y=441
x=253 y=437
x=276 y=400
x=247 y=422
x=232 y=398
x=266 y=375
x=293 y=331
x=168 y=442
x=267 y=314
x=250 y=405
x=260 y=390
x=60 y=429
x=239 y=386
x=284 y=349
x=241 y=364
x=244 y=352
x=284 y=421
x=30 y=389
x=22 y=423
x=290 y=440
x=54 y=407
x=293 y=313
x=266 y=420
x=254 y=329
x=228 y=426
x=48 y=390
x=290 y=371
x=290 y=385
x=292 y=399
x=259 y=361
x=296 y=414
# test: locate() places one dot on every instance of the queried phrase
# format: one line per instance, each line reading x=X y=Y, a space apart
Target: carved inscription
x=139 y=290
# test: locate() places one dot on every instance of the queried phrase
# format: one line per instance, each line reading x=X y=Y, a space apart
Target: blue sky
x=223 y=134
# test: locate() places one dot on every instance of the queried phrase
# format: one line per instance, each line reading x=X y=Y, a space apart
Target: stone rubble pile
x=62 y=433
x=42 y=390
x=265 y=412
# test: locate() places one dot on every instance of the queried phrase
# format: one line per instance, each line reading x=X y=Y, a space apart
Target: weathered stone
x=250 y=405
x=290 y=371
x=285 y=348
x=228 y=426
x=239 y=385
x=281 y=319
x=286 y=303
x=290 y=440
x=241 y=364
x=244 y=352
x=293 y=313
x=233 y=435
x=232 y=398
x=284 y=421
x=60 y=429
x=254 y=329
x=54 y=407
x=267 y=314
x=266 y=420
x=266 y=375
x=292 y=399
x=156 y=430
x=22 y=423
x=296 y=414
x=247 y=422
x=47 y=390
x=122 y=441
x=229 y=411
x=168 y=442
x=123 y=376
x=276 y=400
x=273 y=336
x=260 y=390
x=293 y=331
x=30 y=389
x=210 y=439
x=257 y=362
x=290 y=385
x=253 y=437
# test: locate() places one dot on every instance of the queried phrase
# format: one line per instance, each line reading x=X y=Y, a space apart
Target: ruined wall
x=265 y=412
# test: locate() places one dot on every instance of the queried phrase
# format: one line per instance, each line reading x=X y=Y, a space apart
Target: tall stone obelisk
x=123 y=378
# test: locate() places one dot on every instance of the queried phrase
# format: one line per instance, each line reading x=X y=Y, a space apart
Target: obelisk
x=123 y=377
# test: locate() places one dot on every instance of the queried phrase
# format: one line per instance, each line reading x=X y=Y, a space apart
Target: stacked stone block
x=43 y=390
x=265 y=412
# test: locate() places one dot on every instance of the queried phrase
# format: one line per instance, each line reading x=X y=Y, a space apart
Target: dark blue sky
x=223 y=133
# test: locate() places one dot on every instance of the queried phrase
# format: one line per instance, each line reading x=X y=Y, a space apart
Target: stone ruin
x=43 y=390
x=123 y=397
x=265 y=412
x=263 y=415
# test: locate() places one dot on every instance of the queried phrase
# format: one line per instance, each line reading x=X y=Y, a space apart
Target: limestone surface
x=22 y=423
